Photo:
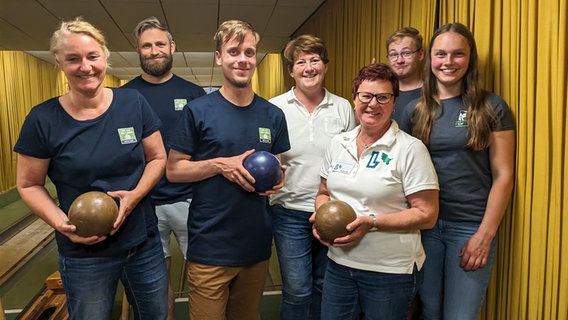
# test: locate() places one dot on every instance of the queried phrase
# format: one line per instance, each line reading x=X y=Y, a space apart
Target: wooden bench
x=50 y=303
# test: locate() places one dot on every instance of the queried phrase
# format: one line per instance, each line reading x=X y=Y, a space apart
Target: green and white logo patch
x=127 y=135
x=179 y=104
x=462 y=119
x=264 y=135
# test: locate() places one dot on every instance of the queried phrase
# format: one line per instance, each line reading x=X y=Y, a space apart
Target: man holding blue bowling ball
x=230 y=225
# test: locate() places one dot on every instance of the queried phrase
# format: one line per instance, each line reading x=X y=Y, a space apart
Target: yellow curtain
x=270 y=77
x=524 y=59
x=25 y=81
x=355 y=32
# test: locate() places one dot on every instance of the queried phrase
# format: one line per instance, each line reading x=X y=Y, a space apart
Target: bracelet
x=374 y=221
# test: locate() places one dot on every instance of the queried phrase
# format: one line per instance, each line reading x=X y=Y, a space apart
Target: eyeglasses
x=405 y=54
x=382 y=98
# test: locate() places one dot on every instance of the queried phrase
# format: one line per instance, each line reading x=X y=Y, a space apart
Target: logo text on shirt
x=377 y=158
x=127 y=135
x=179 y=104
x=264 y=135
x=462 y=119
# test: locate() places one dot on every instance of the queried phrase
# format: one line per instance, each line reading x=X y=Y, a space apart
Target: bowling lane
x=30 y=283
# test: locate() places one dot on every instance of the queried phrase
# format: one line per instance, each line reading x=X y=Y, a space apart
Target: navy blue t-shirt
x=229 y=226
x=403 y=99
x=168 y=99
x=464 y=175
x=101 y=154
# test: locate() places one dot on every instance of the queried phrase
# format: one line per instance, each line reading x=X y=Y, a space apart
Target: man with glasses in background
x=405 y=54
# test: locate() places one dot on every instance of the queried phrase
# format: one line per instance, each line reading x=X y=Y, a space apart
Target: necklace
x=361 y=144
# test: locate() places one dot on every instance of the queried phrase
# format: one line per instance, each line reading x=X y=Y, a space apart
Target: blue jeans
x=448 y=291
x=90 y=283
x=347 y=292
x=302 y=261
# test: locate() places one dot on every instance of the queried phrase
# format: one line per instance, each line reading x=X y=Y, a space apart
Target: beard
x=239 y=81
x=239 y=84
x=157 y=69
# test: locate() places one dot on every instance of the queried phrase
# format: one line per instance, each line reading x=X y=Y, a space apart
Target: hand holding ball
x=93 y=213
x=331 y=220
x=265 y=168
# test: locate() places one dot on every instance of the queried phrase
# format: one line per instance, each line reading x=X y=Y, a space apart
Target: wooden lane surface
x=16 y=251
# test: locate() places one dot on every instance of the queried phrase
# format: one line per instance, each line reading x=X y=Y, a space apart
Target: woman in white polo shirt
x=314 y=115
x=388 y=178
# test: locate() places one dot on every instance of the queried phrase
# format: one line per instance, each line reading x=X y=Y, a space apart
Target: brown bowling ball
x=331 y=219
x=93 y=213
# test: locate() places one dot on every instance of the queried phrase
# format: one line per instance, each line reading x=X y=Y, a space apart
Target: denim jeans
x=90 y=283
x=347 y=292
x=302 y=261
x=448 y=291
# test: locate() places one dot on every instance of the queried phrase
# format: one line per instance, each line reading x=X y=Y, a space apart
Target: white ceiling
x=27 y=25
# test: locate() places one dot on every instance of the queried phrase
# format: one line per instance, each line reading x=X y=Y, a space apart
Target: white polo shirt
x=393 y=167
x=310 y=134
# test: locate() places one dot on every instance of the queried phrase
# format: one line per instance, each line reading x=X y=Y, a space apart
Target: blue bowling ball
x=265 y=169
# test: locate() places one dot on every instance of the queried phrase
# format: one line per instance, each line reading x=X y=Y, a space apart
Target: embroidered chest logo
x=462 y=119
x=179 y=104
x=127 y=135
x=378 y=158
x=264 y=135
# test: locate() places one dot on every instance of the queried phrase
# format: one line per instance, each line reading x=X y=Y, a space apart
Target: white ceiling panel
x=27 y=25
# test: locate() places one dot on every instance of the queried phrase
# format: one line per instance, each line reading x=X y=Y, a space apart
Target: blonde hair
x=409 y=32
x=67 y=28
x=233 y=29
